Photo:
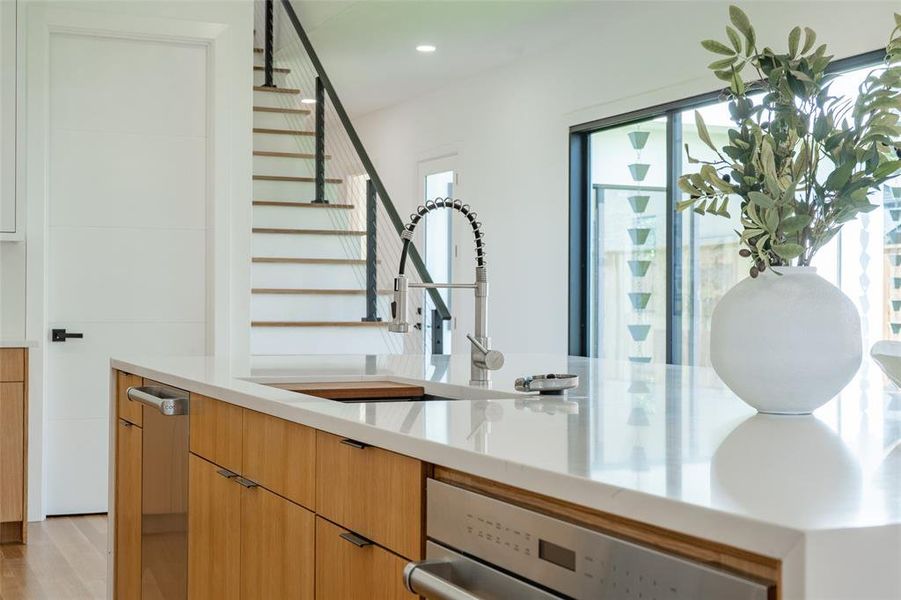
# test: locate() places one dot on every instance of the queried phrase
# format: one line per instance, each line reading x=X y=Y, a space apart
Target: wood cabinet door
x=12 y=364
x=277 y=547
x=129 y=439
x=347 y=571
x=280 y=456
x=129 y=410
x=373 y=492
x=214 y=532
x=12 y=452
x=216 y=431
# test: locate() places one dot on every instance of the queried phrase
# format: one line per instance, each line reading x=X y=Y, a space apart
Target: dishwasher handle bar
x=168 y=401
x=420 y=579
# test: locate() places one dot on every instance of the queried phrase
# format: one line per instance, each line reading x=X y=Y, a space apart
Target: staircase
x=326 y=235
x=309 y=258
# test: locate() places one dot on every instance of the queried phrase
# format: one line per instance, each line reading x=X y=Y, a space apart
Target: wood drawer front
x=278 y=545
x=373 y=492
x=129 y=410
x=12 y=452
x=216 y=431
x=12 y=364
x=214 y=533
x=129 y=439
x=280 y=456
x=350 y=572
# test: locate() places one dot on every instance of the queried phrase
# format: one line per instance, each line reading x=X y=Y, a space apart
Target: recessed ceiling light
x=308 y=101
x=425 y=48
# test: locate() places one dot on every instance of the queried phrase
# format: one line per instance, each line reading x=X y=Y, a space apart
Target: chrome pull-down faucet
x=483 y=359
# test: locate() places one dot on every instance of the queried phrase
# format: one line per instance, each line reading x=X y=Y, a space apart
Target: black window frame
x=580 y=197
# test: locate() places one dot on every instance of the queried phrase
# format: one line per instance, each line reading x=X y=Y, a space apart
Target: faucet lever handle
x=479 y=345
x=489 y=359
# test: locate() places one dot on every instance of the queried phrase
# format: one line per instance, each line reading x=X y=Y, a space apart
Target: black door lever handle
x=60 y=335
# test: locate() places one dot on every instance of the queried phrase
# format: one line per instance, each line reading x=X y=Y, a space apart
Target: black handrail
x=268 y=82
x=414 y=256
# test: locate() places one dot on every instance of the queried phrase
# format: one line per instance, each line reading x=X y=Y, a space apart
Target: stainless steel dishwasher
x=164 y=491
x=480 y=548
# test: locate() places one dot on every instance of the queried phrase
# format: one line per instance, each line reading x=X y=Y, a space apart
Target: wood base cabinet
x=277 y=547
x=349 y=567
x=245 y=542
x=13 y=444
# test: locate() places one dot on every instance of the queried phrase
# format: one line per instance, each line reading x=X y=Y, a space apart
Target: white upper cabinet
x=11 y=221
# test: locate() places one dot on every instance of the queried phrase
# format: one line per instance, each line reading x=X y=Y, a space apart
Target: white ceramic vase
x=785 y=343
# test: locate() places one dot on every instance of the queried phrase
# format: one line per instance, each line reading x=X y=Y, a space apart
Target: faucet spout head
x=399 y=322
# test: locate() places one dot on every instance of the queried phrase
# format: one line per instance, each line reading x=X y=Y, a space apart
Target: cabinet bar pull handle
x=357 y=540
x=354 y=444
x=226 y=473
x=246 y=482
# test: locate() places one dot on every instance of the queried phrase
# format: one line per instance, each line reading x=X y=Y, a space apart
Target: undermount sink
x=355 y=392
x=423 y=398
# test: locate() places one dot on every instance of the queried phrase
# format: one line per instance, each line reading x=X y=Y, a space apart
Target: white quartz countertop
x=17 y=343
x=661 y=444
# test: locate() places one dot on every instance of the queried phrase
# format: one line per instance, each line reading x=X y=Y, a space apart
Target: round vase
x=785 y=342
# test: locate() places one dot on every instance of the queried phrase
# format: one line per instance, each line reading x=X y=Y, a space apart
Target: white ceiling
x=368 y=46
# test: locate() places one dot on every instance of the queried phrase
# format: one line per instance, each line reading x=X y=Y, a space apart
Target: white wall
x=510 y=128
x=238 y=16
x=22 y=293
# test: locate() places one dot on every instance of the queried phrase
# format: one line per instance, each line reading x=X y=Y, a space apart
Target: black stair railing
x=267 y=59
x=320 y=143
x=443 y=314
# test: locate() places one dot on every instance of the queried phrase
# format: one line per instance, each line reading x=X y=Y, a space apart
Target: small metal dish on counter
x=552 y=383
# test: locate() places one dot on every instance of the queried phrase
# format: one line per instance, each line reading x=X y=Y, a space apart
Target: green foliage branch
x=800 y=160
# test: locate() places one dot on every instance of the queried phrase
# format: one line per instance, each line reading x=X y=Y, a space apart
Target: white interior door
x=126 y=235
x=442 y=233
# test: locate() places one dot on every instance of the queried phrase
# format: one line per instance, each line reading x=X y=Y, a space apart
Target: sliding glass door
x=646 y=279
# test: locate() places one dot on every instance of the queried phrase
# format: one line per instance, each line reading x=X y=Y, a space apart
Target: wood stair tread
x=302 y=204
x=275 y=154
x=274 y=69
x=309 y=261
x=287 y=111
x=291 y=231
x=300 y=178
x=283 y=131
x=275 y=90
x=315 y=291
x=319 y=323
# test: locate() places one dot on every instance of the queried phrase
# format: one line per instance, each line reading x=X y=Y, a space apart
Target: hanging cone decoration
x=896 y=191
x=639 y=387
x=639 y=333
x=895 y=213
x=896 y=260
x=639 y=235
x=639 y=300
x=639 y=204
x=639 y=171
x=894 y=236
x=896 y=283
x=896 y=305
x=639 y=268
x=638 y=417
x=896 y=328
x=639 y=139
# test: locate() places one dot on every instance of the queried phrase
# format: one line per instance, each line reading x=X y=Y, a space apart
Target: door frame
x=450 y=161
x=227 y=194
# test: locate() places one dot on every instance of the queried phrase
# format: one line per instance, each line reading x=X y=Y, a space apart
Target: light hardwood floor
x=65 y=558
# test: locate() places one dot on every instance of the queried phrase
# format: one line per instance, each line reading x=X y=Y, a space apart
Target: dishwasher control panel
x=569 y=559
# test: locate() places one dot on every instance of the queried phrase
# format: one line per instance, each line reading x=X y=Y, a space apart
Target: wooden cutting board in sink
x=355 y=390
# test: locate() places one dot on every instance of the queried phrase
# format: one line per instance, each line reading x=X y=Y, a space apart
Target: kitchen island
x=663 y=456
